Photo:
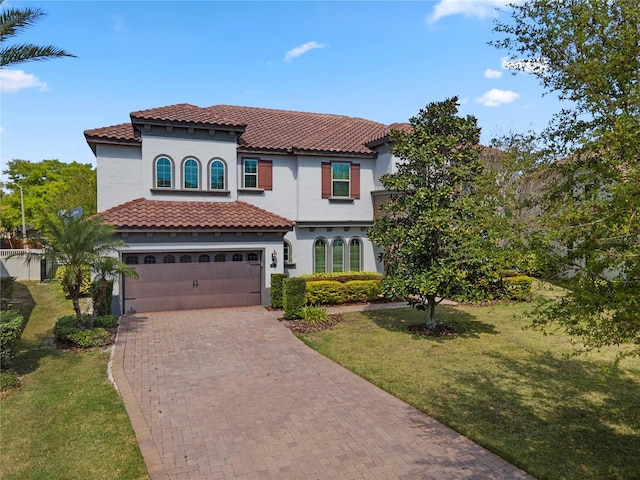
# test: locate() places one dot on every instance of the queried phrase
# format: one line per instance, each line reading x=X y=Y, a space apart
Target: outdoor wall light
x=274 y=259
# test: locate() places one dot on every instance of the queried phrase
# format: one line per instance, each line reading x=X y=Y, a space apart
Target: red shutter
x=355 y=180
x=265 y=174
x=326 y=180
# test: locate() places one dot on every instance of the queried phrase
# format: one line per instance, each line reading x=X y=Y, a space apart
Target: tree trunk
x=431 y=316
x=100 y=294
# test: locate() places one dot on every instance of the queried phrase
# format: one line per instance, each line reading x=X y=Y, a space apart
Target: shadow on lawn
x=558 y=414
x=399 y=320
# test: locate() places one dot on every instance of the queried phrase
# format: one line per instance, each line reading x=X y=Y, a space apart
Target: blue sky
x=378 y=60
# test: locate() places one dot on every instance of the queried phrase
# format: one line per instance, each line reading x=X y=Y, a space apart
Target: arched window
x=337 y=255
x=288 y=253
x=217 y=175
x=169 y=259
x=149 y=259
x=220 y=257
x=204 y=258
x=164 y=173
x=320 y=256
x=191 y=174
x=355 y=247
x=131 y=260
x=252 y=257
x=237 y=257
x=185 y=259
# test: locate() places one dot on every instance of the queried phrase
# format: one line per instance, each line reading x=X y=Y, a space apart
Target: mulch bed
x=439 y=331
x=300 y=326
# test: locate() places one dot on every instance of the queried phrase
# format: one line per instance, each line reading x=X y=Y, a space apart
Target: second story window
x=217 y=179
x=163 y=173
x=191 y=174
x=340 y=179
x=250 y=173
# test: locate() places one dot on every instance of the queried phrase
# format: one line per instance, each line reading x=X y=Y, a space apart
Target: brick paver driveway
x=232 y=394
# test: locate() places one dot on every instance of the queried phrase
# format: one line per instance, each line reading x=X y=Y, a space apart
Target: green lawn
x=67 y=422
x=514 y=391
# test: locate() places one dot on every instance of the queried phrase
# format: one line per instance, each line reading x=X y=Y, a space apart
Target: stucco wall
x=120 y=175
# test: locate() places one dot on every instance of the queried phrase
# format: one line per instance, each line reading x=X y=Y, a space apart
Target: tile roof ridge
x=303 y=112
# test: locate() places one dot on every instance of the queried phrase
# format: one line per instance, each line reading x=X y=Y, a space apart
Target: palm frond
x=30 y=53
x=13 y=20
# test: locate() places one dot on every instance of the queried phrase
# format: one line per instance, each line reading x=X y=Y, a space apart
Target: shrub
x=9 y=380
x=362 y=290
x=106 y=321
x=277 y=283
x=65 y=326
x=104 y=308
x=67 y=330
x=314 y=315
x=324 y=292
x=293 y=298
x=535 y=264
x=91 y=337
x=518 y=288
x=6 y=289
x=342 y=277
x=85 y=288
x=11 y=325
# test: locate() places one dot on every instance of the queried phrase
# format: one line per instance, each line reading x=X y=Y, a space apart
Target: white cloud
x=495 y=97
x=302 y=49
x=492 y=73
x=12 y=81
x=469 y=8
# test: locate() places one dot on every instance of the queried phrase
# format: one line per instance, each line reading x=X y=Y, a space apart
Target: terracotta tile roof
x=271 y=129
x=187 y=114
x=263 y=128
x=142 y=214
x=122 y=131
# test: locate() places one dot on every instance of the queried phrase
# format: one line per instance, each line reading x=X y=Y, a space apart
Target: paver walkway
x=232 y=394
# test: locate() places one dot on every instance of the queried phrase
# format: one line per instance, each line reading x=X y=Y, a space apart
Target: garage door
x=233 y=280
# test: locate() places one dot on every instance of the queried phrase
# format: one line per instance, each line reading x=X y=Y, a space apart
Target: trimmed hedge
x=517 y=288
x=325 y=292
x=11 y=325
x=293 y=297
x=277 y=294
x=362 y=290
x=343 y=277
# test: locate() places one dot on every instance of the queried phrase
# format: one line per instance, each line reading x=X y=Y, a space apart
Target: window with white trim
x=191 y=174
x=250 y=173
x=217 y=175
x=287 y=252
x=164 y=173
x=320 y=256
x=340 y=179
x=355 y=255
x=337 y=255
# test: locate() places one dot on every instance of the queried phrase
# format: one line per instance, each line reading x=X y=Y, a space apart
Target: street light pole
x=24 y=227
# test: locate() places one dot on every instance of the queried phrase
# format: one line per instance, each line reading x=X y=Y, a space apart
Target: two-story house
x=212 y=201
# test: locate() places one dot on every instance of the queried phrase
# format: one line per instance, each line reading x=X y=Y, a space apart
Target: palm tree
x=12 y=22
x=107 y=268
x=79 y=243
